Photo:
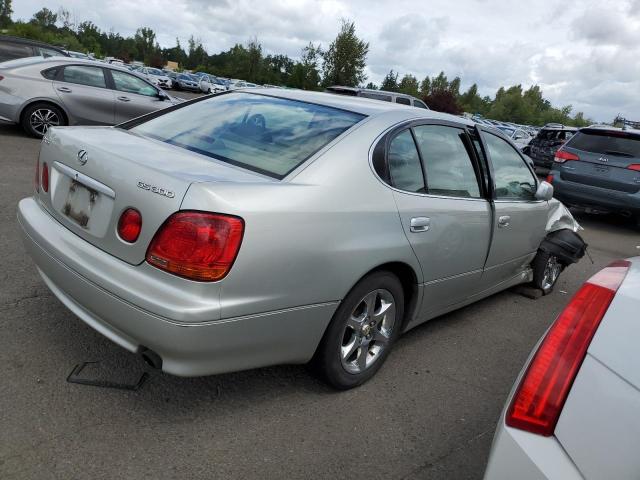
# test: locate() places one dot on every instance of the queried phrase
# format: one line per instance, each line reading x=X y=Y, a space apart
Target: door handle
x=504 y=221
x=124 y=99
x=420 y=224
x=64 y=89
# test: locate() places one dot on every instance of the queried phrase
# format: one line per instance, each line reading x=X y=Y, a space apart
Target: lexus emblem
x=83 y=156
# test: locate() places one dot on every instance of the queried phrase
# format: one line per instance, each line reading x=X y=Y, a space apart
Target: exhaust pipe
x=151 y=358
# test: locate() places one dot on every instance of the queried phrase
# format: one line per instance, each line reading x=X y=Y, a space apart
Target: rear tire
x=362 y=332
x=546 y=271
x=38 y=117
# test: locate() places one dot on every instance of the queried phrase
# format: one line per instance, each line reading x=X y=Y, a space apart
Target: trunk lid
x=118 y=170
x=605 y=157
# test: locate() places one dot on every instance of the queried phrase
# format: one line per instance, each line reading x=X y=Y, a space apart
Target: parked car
x=210 y=84
x=156 y=77
x=382 y=95
x=234 y=84
x=544 y=146
x=519 y=136
x=184 y=81
x=12 y=48
x=574 y=412
x=78 y=55
x=40 y=93
x=599 y=169
x=236 y=238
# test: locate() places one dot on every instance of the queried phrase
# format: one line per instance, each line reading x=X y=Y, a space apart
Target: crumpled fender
x=562 y=237
x=559 y=218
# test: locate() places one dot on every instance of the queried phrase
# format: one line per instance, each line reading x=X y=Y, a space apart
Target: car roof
x=364 y=106
x=356 y=90
x=28 y=41
x=610 y=128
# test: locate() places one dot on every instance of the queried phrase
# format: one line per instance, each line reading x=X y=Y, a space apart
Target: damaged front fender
x=562 y=238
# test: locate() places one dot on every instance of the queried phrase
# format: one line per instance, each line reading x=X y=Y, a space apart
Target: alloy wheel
x=368 y=331
x=551 y=272
x=43 y=118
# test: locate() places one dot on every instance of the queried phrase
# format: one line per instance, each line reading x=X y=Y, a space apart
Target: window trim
x=481 y=133
x=112 y=84
x=60 y=75
x=393 y=131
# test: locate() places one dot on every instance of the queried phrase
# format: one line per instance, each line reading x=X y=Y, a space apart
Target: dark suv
x=543 y=147
x=15 y=47
x=599 y=168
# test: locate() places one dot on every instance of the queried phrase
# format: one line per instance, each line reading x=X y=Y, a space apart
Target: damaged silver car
x=271 y=226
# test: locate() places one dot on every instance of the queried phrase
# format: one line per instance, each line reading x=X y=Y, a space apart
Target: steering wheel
x=257 y=120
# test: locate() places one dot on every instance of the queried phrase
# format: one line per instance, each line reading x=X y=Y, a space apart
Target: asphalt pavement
x=429 y=413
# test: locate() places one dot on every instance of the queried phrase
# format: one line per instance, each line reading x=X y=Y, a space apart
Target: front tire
x=39 y=117
x=546 y=271
x=362 y=331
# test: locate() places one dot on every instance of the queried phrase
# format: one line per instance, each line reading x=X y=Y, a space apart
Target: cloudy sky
x=584 y=53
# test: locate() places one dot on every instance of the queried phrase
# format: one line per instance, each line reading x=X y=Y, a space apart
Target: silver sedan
x=39 y=93
x=574 y=412
x=270 y=226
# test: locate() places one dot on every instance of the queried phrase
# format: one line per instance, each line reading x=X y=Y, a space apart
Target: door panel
x=134 y=96
x=519 y=223
x=82 y=90
x=451 y=249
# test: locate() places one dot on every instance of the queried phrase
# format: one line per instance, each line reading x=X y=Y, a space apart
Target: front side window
x=404 y=164
x=403 y=100
x=125 y=82
x=83 y=75
x=265 y=134
x=49 y=52
x=513 y=179
x=447 y=162
x=419 y=104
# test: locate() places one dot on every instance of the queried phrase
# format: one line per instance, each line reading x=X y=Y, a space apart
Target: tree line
x=343 y=62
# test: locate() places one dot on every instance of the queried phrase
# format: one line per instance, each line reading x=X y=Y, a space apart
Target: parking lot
x=429 y=413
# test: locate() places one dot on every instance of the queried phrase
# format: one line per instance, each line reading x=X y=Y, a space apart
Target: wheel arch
x=34 y=101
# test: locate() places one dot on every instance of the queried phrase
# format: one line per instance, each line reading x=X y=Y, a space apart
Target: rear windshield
x=265 y=134
x=561 y=135
x=609 y=143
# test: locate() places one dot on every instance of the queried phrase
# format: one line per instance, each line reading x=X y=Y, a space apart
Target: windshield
x=184 y=77
x=607 y=142
x=155 y=71
x=265 y=134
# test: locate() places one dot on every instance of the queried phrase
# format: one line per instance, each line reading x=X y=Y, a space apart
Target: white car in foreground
x=576 y=410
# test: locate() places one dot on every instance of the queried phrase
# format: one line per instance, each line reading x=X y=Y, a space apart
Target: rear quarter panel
x=309 y=239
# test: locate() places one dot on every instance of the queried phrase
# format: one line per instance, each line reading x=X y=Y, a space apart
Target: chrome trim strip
x=84 y=179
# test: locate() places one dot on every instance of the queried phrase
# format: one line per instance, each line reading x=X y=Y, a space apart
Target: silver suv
x=382 y=95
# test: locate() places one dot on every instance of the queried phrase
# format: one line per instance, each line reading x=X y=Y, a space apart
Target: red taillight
x=197 y=245
x=36 y=180
x=1 y=77
x=549 y=178
x=129 y=225
x=634 y=166
x=45 y=177
x=562 y=156
x=538 y=401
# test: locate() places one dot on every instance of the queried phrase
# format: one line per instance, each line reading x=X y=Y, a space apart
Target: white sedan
x=576 y=410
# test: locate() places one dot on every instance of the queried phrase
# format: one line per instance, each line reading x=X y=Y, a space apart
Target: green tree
x=371 y=86
x=409 y=85
x=5 y=13
x=390 y=82
x=44 y=18
x=306 y=73
x=425 y=87
x=145 y=44
x=345 y=59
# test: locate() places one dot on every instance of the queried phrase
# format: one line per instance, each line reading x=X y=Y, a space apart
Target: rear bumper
x=187 y=348
x=578 y=194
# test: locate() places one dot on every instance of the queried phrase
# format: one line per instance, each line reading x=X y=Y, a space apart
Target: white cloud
x=582 y=53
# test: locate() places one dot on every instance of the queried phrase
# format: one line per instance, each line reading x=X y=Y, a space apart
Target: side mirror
x=162 y=95
x=545 y=191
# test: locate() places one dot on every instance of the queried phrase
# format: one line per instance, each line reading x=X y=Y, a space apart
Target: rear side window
x=404 y=164
x=403 y=101
x=50 y=73
x=265 y=134
x=607 y=143
x=82 y=75
x=448 y=165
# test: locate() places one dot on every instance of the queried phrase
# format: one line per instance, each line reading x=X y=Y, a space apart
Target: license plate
x=601 y=170
x=79 y=203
